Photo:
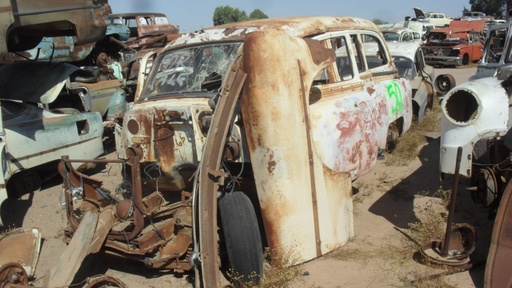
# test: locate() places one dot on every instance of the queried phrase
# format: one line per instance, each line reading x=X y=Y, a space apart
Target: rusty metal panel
x=209 y=179
x=497 y=268
x=21 y=246
x=58 y=49
x=155 y=24
x=55 y=16
x=174 y=131
x=45 y=139
x=348 y=130
x=97 y=96
x=291 y=179
x=63 y=272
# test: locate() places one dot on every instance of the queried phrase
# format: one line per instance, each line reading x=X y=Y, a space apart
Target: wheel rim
x=13 y=273
x=444 y=83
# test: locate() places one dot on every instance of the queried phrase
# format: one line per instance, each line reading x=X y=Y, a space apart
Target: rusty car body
x=266 y=122
x=25 y=23
x=142 y=24
x=145 y=30
x=460 y=43
x=476 y=120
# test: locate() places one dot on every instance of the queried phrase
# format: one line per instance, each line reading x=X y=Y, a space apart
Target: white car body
x=32 y=136
x=438 y=19
x=472 y=111
x=410 y=62
x=422 y=27
x=400 y=35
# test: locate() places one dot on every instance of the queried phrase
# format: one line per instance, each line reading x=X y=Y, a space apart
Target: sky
x=192 y=15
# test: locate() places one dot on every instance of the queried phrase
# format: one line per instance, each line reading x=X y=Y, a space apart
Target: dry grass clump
x=276 y=275
x=408 y=145
x=431 y=227
x=433 y=218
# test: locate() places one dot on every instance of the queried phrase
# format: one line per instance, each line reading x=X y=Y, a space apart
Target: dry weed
x=432 y=225
x=383 y=177
x=409 y=144
x=276 y=275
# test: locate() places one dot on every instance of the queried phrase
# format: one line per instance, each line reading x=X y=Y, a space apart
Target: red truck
x=455 y=45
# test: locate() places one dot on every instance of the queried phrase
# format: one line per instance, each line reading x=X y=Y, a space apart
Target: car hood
x=35 y=82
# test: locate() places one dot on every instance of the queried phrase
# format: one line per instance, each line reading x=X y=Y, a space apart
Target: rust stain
x=319 y=53
x=364 y=121
x=4 y=9
x=271 y=162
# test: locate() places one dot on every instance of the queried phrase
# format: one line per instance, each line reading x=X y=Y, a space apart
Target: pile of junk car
x=33 y=136
x=265 y=122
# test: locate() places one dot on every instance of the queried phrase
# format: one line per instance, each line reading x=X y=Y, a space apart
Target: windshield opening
x=192 y=69
x=391 y=36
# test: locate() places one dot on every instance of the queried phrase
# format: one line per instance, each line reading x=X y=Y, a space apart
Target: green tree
x=379 y=21
x=496 y=8
x=257 y=14
x=227 y=14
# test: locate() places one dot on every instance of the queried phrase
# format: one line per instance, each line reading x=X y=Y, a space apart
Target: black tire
x=242 y=236
x=465 y=59
x=23 y=182
x=444 y=83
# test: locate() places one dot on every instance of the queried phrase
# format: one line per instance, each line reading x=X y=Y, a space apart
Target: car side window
x=356 y=48
x=374 y=51
x=419 y=61
x=343 y=62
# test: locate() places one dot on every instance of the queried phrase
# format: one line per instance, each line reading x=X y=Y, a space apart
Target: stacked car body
x=278 y=137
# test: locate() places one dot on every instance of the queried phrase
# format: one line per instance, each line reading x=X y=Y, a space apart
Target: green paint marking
x=395 y=92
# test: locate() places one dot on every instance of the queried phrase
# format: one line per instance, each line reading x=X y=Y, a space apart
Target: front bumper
x=443 y=60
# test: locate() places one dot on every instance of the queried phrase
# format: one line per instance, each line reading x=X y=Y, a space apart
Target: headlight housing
x=462 y=107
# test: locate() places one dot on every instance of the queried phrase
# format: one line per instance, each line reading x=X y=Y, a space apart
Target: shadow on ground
x=397 y=204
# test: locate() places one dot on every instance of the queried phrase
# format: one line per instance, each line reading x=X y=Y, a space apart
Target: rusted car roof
x=130 y=15
x=294 y=26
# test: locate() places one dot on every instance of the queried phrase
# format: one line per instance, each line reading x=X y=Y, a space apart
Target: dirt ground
x=383 y=252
